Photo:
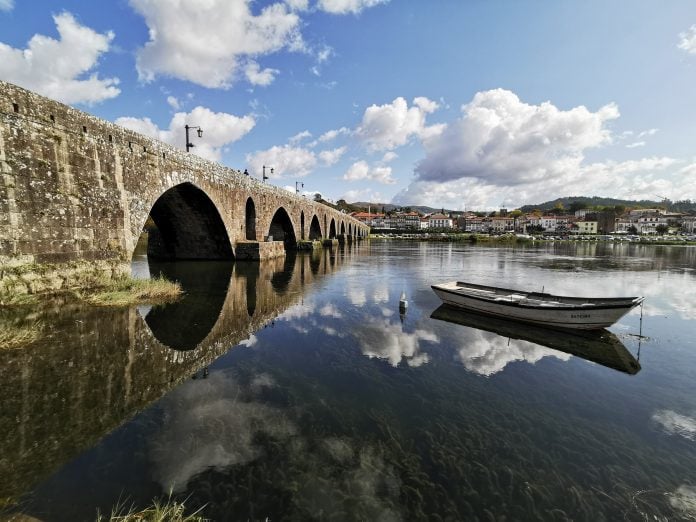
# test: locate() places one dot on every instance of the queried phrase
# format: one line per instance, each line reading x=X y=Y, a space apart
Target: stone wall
x=76 y=189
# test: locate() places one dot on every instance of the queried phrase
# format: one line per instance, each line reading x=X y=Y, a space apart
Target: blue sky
x=454 y=103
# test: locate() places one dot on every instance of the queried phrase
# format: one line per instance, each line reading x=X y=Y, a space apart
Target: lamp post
x=188 y=142
x=264 y=177
x=300 y=184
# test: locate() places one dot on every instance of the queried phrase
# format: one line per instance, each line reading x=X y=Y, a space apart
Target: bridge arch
x=282 y=229
x=250 y=219
x=314 y=229
x=332 y=229
x=343 y=227
x=302 y=226
x=188 y=225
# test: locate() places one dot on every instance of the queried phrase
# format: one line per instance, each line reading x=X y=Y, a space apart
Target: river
x=297 y=389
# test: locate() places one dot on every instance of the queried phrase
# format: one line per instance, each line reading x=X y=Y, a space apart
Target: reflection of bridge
x=77 y=188
x=100 y=366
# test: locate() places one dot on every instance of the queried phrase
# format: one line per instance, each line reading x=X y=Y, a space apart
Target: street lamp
x=297 y=190
x=264 y=178
x=199 y=132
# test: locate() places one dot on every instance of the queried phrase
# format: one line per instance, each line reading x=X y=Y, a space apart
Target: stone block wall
x=77 y=189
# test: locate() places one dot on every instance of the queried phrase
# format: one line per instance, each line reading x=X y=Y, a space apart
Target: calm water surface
x=296 y=390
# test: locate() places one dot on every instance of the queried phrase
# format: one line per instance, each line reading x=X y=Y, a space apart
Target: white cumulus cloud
x=285 y=160
x=256 y=76
x=386 y=127
x=347 y=6
x=300 y=136
x=207 y=42
x=503 y=140
x=502 y=149
x=219 y=129
x=333 y=134
x=687 y=40
x=6 y=5
x=360 y=170
x=331 y=157
x=60 y=69
x=173 y=102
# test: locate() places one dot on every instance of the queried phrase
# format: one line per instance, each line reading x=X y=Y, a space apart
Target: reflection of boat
x=601 y=346
x=586 y=313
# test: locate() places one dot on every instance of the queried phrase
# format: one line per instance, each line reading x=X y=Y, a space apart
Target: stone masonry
x=75 y=192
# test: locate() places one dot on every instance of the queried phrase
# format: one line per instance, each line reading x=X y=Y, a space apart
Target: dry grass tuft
x=126 y=291
x=168 y=510
x=14 y=336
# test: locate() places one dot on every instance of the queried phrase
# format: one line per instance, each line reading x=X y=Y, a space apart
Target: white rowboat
x=555 y=311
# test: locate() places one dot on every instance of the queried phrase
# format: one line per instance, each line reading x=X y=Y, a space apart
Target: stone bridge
x=76 y=191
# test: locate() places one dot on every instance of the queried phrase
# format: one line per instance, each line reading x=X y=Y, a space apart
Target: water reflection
x=97 y=367
x=213 y=425
x=601 y=347
x=183 y=325
x=385 y=340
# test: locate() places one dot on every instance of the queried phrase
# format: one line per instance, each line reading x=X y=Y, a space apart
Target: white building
x=439 y=221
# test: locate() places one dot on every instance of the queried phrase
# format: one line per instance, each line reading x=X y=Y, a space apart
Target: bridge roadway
x=76 y=193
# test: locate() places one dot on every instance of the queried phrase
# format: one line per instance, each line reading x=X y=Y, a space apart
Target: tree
x=661 y=229
x=577 y=205
x=632 y=230
x=317 y=197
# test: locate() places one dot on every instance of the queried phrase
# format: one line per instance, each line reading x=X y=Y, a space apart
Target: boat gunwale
x=621 y=302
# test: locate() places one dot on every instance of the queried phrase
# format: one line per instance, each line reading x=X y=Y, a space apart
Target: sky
x=462 y=104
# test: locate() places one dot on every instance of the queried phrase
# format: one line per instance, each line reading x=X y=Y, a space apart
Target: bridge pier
x=330 y=243
x=257 y=251
x=308 y=245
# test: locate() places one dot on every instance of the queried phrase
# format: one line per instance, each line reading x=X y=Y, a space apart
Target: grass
x=14 y=336
x=125 y=291
x=168 y=510
x=12 y=299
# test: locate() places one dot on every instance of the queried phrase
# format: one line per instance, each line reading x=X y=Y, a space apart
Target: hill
x=377 y=207
x=595 y=202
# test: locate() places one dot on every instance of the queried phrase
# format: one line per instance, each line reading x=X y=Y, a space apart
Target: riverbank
x=512 y=238
x=20 y=327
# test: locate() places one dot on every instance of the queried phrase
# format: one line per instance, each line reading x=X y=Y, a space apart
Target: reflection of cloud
x=684 y=500
x=251 y=341
x=297 y=311
x=356 y=295
x=381 y=294
x=676 y=424
x=486 y=353
x=208 y=425
x=384 y=340
x=363 y=472
x=329 y=331
x=330 y=310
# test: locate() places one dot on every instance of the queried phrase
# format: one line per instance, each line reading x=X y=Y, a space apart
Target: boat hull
x=581 y=317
